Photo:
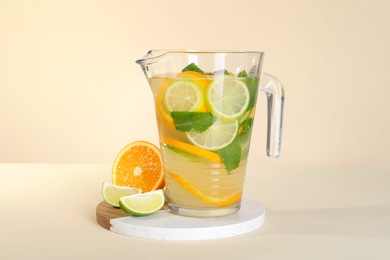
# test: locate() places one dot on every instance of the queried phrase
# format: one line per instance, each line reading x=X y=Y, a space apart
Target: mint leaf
x=231 y=155
x=197 y=121
x=193 y=67
x=246 y=126
x=242 y=74
x=253 y=86
x=220 y=72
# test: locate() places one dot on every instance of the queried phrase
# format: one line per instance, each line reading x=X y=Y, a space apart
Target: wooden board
x=105 y=212
x=164 y=225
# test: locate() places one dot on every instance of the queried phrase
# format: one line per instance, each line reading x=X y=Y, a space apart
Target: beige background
x=70 y=90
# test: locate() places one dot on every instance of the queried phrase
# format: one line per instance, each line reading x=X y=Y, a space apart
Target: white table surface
x=48 y=212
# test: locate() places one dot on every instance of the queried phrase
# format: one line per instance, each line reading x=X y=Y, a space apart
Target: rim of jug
x=158 y=53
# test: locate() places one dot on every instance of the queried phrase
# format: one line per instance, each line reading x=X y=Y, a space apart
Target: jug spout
x=154 y=63
x=145 y=62
x=151 y=57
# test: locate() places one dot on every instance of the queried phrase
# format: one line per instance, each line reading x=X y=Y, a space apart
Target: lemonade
x=205 y=123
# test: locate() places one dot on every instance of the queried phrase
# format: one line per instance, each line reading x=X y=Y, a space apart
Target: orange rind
x=223 y=201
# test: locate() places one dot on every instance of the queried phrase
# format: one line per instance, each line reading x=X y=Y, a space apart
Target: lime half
x=143 y=204
x=227 y=98
x=112 y=193
x=183 y=95
x=217 y=136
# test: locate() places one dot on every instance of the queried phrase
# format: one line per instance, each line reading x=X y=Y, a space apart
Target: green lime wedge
x=112 y=193
x=143 y=204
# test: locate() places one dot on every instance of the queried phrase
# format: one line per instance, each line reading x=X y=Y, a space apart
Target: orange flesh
x=139 y=165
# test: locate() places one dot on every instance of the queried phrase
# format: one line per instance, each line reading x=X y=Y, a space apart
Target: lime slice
x=143 y=204
x=112 y=193
x=183 y=95
x=217 y=136
x=227 y=98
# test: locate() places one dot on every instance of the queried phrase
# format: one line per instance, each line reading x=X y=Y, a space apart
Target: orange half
x=139 y=165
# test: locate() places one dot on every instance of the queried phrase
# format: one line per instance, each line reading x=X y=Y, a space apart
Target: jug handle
x=272 y=87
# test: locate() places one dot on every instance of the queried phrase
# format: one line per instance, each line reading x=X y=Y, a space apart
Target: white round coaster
x=164 y=225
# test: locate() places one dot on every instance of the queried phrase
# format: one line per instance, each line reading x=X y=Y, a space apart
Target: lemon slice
x=183 y=95
x=217 y=136
x=227 y=98
x=143 y=204
x=112 y=193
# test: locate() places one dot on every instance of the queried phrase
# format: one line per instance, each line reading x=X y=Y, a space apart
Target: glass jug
x=205 y=106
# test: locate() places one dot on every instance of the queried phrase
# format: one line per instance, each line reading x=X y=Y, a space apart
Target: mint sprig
x=253 y=87
x=231 y=155
x=246 y=126
x=242 y=74
x=221 y=72
x=197 y=121
x=192 y=67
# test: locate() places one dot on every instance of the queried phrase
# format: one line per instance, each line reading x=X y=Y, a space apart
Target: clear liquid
x=197 y=182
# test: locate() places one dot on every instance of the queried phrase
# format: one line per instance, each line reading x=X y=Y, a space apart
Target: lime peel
x=112 y=193
x=143 y=204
